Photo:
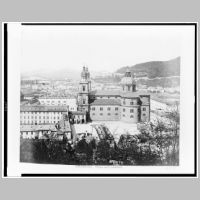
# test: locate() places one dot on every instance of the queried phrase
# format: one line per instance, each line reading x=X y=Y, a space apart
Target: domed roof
x=128 y=79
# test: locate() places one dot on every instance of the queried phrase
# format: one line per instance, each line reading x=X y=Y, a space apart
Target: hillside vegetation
x=156 y=68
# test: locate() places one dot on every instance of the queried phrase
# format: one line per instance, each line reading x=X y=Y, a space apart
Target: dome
x=128 y=79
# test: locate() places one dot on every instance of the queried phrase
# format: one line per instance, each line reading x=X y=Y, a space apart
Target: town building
x=58 y=131
x=71 y=103
x=126 y=104
x=78 y=117
x=40 y=114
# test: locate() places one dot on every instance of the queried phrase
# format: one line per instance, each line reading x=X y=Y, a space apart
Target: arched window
x=131 y=110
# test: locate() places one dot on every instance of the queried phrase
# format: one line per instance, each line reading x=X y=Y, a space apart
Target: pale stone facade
x=127 y=104
x=41 y=114
x=71 y=103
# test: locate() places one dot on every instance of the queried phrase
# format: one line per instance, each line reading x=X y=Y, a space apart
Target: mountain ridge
x=155 y=69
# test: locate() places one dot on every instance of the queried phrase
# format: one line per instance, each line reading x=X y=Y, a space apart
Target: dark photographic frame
x=5 y=27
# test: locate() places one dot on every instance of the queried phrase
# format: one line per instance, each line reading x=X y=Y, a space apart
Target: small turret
x=84 y=73
x=87 y=73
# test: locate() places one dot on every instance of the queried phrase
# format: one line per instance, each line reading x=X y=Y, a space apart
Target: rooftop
x=106 y=93
x=44 y=127
x=117 y=93
x=65 y=127
x=106 y=102
x=133 y=94
x=78 y=112
x=56 y=97
x=43 y=108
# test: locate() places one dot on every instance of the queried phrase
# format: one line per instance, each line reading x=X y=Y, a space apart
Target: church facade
x=127 y=104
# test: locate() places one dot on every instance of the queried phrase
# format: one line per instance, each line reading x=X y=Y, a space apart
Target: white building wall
x=105 y=112
x=33 y=117
x=71 y=103
x=145 y=113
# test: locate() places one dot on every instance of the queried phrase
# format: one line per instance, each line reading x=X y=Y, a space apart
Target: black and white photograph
x=101 y=98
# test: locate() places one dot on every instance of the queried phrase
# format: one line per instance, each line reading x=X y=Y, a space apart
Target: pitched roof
x=106 y=102
x=105 y=93
x=133 y=94
x=117 y=93
x=56 y=97
x=44 y=127
x=65 y=125
x=78 y=112
x=43 y=108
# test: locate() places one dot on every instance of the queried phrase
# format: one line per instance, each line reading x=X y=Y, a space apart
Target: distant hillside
x=53 y=74
x=156 y=68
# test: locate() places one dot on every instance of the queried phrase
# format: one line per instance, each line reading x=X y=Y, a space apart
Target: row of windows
x=133 y=116
x=108 y=108
x=38 y=117
x=131 y=103
x=107 y=114
x=108 y=97
x=54 y=104
x=54 y=101
x=116 y=109
x=38 y=122
x=101 y=114
x=132 y=110
x=129 y=88
x=41 y=113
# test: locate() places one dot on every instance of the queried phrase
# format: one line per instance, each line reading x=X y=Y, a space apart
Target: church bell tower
x=84 y=89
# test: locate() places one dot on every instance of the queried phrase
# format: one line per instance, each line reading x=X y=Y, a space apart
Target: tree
x=174 y=121
x=84 y=151
x=103 y=152
x=165 y=136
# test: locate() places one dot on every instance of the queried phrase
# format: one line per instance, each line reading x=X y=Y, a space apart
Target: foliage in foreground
x=157 y=144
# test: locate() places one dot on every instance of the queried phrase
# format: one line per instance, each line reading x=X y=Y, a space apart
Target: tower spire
x=84 y=89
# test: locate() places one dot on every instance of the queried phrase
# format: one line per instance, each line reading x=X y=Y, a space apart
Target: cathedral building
x=127 y=104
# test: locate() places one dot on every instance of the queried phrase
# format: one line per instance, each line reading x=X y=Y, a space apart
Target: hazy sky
x=101 y=48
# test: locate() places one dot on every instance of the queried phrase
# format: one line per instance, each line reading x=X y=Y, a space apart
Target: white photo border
x=11 y=77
